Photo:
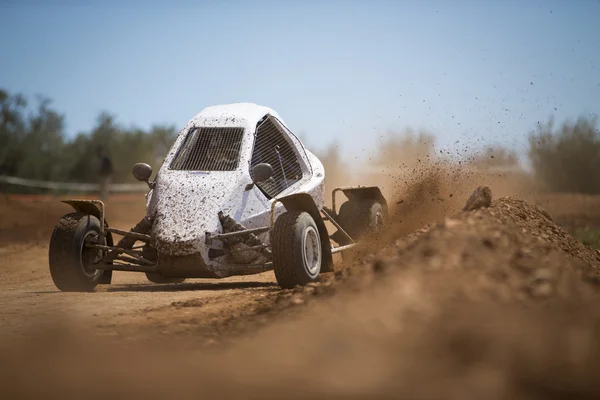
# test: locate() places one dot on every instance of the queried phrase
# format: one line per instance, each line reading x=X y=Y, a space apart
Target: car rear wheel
x=297 y=253
x=359 y=218
x=71 y=261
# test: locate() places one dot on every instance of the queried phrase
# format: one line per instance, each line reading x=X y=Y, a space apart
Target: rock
x=480 y=198
x=543 y=275
x=544 y=289
x=297 y=299
x=379 y=266
x=310 y=290
x=451 y=223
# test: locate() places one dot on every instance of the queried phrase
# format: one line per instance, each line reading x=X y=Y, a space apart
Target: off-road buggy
x=236 y=194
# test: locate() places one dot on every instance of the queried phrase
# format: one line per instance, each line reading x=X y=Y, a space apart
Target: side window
x=271 y=146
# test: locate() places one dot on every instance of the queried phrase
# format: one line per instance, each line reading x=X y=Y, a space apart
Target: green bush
x=33 y=145
x=567 y=159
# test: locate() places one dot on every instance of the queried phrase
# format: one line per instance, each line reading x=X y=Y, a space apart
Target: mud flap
x=359 y=193
x=107 y=275
x=106 y=278
x=340 y=238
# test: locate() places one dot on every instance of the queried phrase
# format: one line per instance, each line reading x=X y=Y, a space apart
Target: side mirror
x=142 y=172
x=261 y=172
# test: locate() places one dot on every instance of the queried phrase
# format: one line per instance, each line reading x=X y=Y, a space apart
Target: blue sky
x=469 y=71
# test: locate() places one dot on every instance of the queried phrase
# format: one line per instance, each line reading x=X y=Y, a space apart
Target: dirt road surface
x=131 y=307
x=496 y=303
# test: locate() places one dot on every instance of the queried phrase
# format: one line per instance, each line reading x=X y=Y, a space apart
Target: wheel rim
x=88 y=256
x=311 y=251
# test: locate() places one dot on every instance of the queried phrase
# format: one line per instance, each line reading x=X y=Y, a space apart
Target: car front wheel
x=71 y=261
x=297 y=252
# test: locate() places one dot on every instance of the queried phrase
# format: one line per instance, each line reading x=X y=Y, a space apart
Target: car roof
x=234 y=114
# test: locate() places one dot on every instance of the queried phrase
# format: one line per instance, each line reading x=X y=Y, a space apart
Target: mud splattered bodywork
x=236 y=194
x=185 y=204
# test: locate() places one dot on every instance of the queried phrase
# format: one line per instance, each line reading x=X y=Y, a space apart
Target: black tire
x=359 y=218
x=155 y=277
x=69 y=259
x=297 y=252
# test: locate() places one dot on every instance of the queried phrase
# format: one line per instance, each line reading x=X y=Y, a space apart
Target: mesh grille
x=209 y=149
x=271 y=147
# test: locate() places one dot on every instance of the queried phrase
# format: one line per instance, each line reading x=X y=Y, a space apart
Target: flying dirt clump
x=481 y=197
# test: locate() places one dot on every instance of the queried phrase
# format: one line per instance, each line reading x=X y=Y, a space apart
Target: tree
x=495 y=156
x=33 y=144
x=12 y=129
x=42 y=143
x=404 y=149
x=567 y=159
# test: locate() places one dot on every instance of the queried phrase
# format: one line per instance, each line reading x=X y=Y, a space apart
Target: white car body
x=184 y=204
x=237 y=194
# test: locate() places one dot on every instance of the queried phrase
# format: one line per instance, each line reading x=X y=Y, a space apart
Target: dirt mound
x=509 y=251
x=512 y=248
x=496 y=303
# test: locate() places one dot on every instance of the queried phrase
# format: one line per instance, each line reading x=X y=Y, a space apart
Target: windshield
x=209 y=149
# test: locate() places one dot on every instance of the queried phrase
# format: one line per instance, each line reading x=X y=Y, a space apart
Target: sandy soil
x=131 y=307
x=498 y=303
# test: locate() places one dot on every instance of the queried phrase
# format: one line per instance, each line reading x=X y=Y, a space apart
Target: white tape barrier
x=73 y=186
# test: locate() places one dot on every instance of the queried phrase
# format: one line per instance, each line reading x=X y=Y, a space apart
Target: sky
x=346 y=72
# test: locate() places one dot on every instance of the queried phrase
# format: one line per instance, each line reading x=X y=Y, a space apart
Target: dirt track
x=131 y=307
x=495 y=303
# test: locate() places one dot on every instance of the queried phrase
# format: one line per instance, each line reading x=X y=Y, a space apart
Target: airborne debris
x=481 y=198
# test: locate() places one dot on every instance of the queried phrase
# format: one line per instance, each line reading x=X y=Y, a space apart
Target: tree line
x=33 y=144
